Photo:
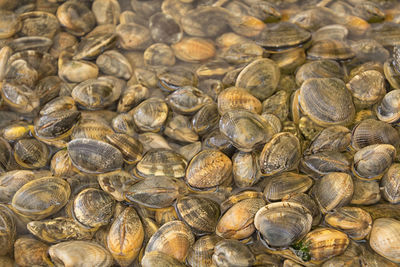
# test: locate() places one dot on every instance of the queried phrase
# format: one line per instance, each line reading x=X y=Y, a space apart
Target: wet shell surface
x=383 y=238
x=391 y=184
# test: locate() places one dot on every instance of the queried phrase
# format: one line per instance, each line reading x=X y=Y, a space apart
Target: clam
x=330 y=49
x=92 y=129
x=391 y=184
x=164 y=29
x=200 y=214
x=173 y=238
x=11 y=181
x=323 y=68
x=187 y=100
x=206 y=21
x=116 y=183
x=156 y=258
x=94 y=156
x=370 y=132
x=179 y=128
x=10 y=23
x=62 y=41
x=240 y=53
x=194 y=49
x=283 y=223
x=217 y=140
x=281 y=153
x=176 y=77
x=125 y=238
x=385 y=33
x=30 y=252
x=153 y=141
x=200 y=254
x=208 y=168
x=205 y=119
x=277 y=187
x=150 y=115
x=79 y=253
x=41 y=197
x=334 y=31
x=245 y=129
x=162 y=216
x=154 y=192
x=333 y=138
x=8 y=230
x=389 y=110
x=324 y=243
x=368 y=50
x=307 y=202
x=333 y=190
x=371 y=162
x=277 y=104
x=159 y=54
x=130 y=148
x=106 y=11
x=30 y=153
x=19 y=97
x=5 y=155
x=238 y=221
x=237 y=98
x=326 y=101
x=114 y=63
x=59 y=229
x=355 y=222
x=5 y=54
x=93 y=207
x=39 y=23
x=133 y=36
x=57 y=125
x=61 y=164
x=76 y=18
x=162 y=162
x=246 y=25
x=245 y=169
x=282 y=35
x=260 y=78
x=132 y=96
x=232 y=253
x=38 y=43
x=383 y=238
x=366 y=192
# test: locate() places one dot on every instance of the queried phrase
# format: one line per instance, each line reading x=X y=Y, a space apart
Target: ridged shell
x=11 y=181
x=366 y=192
x=389 y=109
x=31 y=153
x=319 y=69
x=237 y=98
x=334 y=138
x=130 y=148
x=56 y=125
x=306 y=201
x=283 y=223
x=173 y=238
x=384 y=238
x=200 y=254
x=8 y=230
x=246 y=169
x=151 y=114
x=319 y=164
x=116 y=183
x=326 y=101
x=194 y=49
x=30 y=252
x=187 y=100
x=79 y=253
x=164 y=29
x=281 y=153
x=232 y=253
x=205 y=119
x=391 y=184
x=156 y=258
x=330 y=49
x=41 y=198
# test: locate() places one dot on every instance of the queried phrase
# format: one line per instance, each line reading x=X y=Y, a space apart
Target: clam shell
x=367 y=88
x=319 y=69
x=334 y=138
x=232 y=253
x=384 y=237
x=237 y=98
x=130 y=148
x=116 y=183
x=391 y=184
x=30 y=252
x=164 y=29
x=11 y=181
x=366 y=192
x=200 y=254
x=330 y=49
x=246 y=169
x=187 y=100
x=156 y=258
x=150 y=115
x=389 y=109
x=8 y=230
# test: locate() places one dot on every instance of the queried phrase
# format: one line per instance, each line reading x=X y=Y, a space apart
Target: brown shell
x=200 y=254
x=8 y=230
x=164 y=29
x=208 y=168
x=391 y=184
x=366 y=192
x=130 y=148
x=151 y=114
x=116 y=183
x=330 y=49
x=76 y=17
x=11 y=181
x=237 y=98
x=319 y=69
x=334 y=138
x=31 y=252
x=230 y=252
x=384 y=237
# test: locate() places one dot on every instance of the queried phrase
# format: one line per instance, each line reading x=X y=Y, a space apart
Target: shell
x=116 y=183
x=286 y=183
x=150 y=115
x=238 y=221
x=93 y=207
x=8 y=230
x=330 y=49
x=319 y=69
x=61 y=164
x=391 y=184
x=324 y=243
x=114 y=63
x=370 y=132
x=12 y=181
x=78 y=253
x=162 y=162
x=260 y=78
x=41 y=197
x=237 y=98
x=307 y=202
x=92 y=129
x=366 y=192
x=187 y=100
x=156 y=258
x=159 y=54
x=281 y=153
x=19 y=97
x=208 y=168
x=333 y=190
x=10 y=24
x=173 y=238
x=232 y=253
x=200 y=214
x=130 y=148
x=334 y=138
x=371 y=162
x=125 y=238
x=57 y=125
x=245 y=129
x=164 y=29
x=355 y=222
x=29 y=252
x=154 y=192
x=94 y=156
x=389 y=109
x=246 y=169
x=200 y=254
x=335 y=105
x=59 y=229
x=176 y=77
x=133 y=36
x=384 y=237
x=106 y=11
x=283 y=223
x=205 y=119
x=77 y=25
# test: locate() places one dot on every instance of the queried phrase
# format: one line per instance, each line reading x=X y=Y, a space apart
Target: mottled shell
x=177 y=77
x=116 y=183
x=79 y=253
x=11 y=181
x=371 y=162
x=159 y=54
x=94 y=156
x=151 y=114
x=106 y=11
x=59 y=229
x=232 y=253
x=283 y=223
x=324 y=243
x=237 y=98
x=61 y=164
x=330 y=49
x=92 y=129
x=246 y=169
x=238 y=221
x=319 y=69
x=164 y=29
x=281 y=153
x=286 y=183
x=8 y=230
x=333 y=190
x=154 y=192
x=354 y=221
x=133 y=36
x=200 y=214
x=334 y=138
x=391 y=184
x=114 y=63
x=57 y=125
x=76 y=18
x=370 y=132
x=208 y=168
x=205 y=119
x=19 y=97
x=156 y=258
x=130 y=148
x=260 y=78
x=306 y=201
x=187 y=100
x=125 y=238
x=194 y=49
x=30 y=252
x=200 y=254
x=93 y=207
x=61 y=103
x=384 y=238
x=326 y=101
x=245 y=129
x=366 y=192
x=389 y=109
x=282 y=35
x=173 y=238
x=10 y=24
x=41 y=198
x=162 y=162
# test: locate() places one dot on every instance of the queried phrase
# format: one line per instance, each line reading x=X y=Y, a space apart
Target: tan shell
x=200 y=254
x=187 y=100
x=330 y=49
x=157 y=258
x=391 y=184
x=133 y=36
x=237 y=98
x=151 y=114
x=334 y=138
x=130 y=148
x=8 y=230
x=232 y=253
x=30 y=252
x=319 y=69
x=366 y=192
x=114 y=63
x=159 y=54
x=106 y=11
x=116 y=183
x=246 y=169
x=164 y=29
x=11 y=181
x=389 y=110
x=77 y=25
x=384 y=237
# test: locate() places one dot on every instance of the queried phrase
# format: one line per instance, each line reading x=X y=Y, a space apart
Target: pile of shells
x=199 y=133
